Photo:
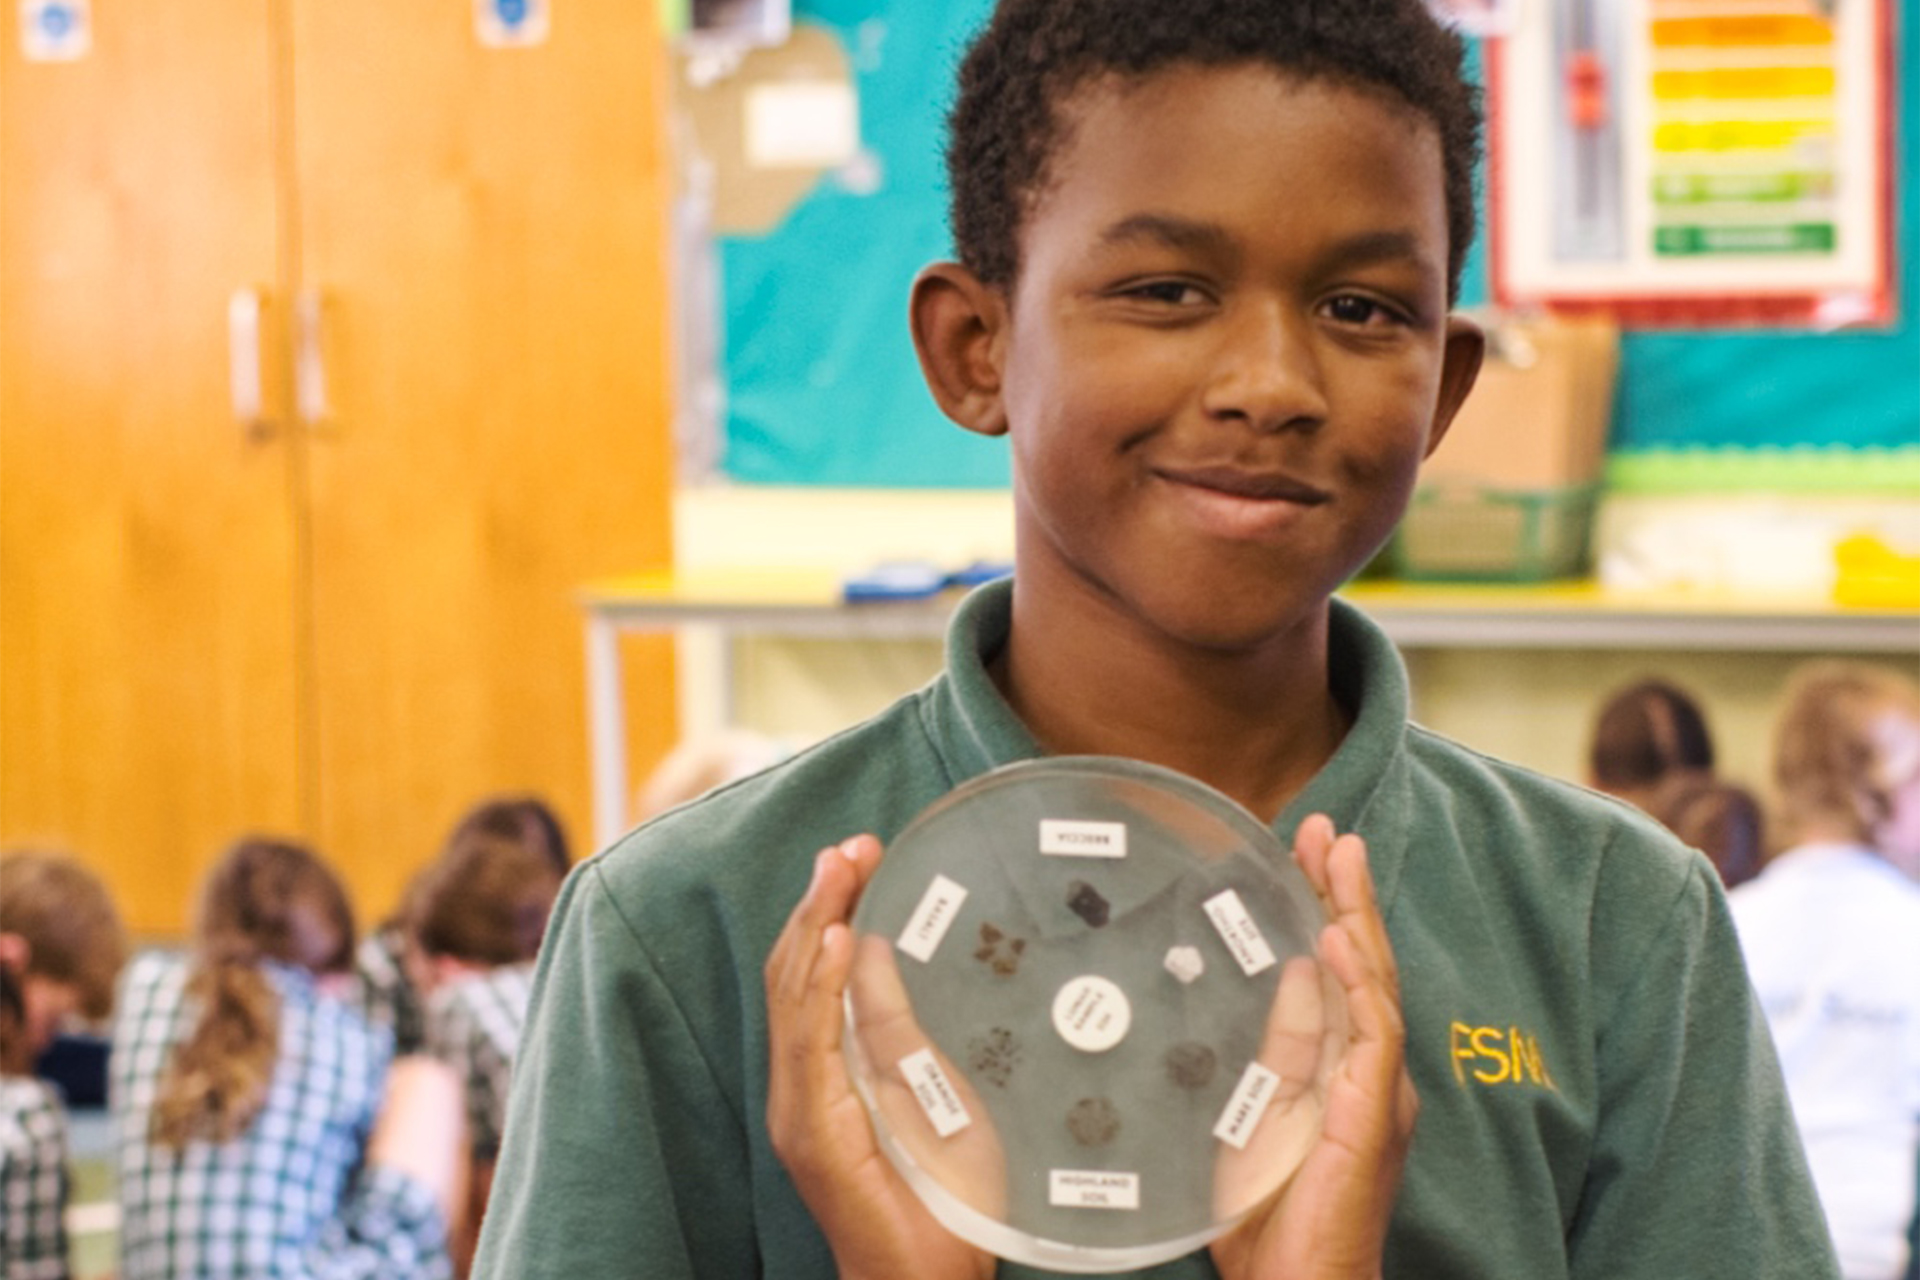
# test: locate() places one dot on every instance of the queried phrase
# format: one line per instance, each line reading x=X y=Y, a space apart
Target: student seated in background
x=1721 y=819
x=1645 y=735
x=1209 y=251
x=1651 y=747
x=698 y=764
x=266 y=1132
x=476 y=917
x=1832 y=934
x=61 y=948
x=382 y=986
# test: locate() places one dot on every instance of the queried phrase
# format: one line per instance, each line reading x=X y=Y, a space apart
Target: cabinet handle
x=245 y=378
x=310 y=365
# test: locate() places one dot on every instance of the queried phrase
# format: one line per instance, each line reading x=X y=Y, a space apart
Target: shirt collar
x=975 y=730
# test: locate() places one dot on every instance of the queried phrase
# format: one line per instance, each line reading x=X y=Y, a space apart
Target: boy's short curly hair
x=1005 y=123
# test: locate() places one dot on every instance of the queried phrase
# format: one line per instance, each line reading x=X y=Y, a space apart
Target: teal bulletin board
x=823 y=388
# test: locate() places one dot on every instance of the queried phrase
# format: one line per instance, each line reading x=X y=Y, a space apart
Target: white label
x=1068 y=839
x=938 y=909
x=1239 y=932
x=801 y=124
x=935 y=1093
x=1092 y=1014
x=1248 y=1103
x=510 y=24
x=55 y=30
x=1093 y=1189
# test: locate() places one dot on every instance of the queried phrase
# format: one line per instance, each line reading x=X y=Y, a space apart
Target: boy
x=1207 y=255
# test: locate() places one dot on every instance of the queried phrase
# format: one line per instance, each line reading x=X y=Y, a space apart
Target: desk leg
x=607 y=721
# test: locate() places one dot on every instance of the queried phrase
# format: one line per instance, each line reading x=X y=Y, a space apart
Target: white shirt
x=1832 y=938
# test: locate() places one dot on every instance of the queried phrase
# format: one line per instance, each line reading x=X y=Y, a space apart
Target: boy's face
x=1228 y=349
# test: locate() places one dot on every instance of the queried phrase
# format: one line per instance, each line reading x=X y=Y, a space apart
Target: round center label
x=1091 y=1013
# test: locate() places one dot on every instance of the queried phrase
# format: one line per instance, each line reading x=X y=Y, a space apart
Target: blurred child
x=698 y=764
x=526 y=820
x=476 y=917
x=1831 y=930
x=1645 y=735
x=61 y=947
x=382 y=986
x=266 y=1133
x=1721 y=819
x=1208 y=258
x=1651 y=747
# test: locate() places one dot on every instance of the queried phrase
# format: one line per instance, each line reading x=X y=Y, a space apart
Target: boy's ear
x=1466 y=345
x=959 y=327
x=15 y=953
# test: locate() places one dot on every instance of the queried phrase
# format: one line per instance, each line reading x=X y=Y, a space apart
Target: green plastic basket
x=1453 y=533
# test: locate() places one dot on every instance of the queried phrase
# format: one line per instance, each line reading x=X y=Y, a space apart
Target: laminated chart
x=1694 y=161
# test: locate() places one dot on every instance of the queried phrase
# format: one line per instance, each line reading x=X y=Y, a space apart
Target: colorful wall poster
x=1698 y=162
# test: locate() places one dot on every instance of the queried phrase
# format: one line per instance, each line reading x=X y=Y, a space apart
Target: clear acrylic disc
x=1085 y=1014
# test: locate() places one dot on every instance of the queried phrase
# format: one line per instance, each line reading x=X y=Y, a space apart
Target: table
x=800 y=603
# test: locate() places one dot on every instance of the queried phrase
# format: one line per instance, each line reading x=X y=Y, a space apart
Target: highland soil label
x=1093 y=1189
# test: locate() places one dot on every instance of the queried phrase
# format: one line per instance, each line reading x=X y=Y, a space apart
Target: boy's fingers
x=840 y=872
x=1356 y=909
x=1336 y=867
x=1312 y=841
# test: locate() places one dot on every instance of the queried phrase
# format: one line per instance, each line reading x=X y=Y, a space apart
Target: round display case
x=1085 y=1013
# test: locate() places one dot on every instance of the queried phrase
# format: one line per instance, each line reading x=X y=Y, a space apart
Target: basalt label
x=939 y=907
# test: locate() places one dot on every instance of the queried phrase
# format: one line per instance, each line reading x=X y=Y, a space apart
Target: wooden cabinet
x=352 y=618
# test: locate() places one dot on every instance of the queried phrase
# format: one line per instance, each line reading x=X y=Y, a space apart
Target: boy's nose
x=1267 y=372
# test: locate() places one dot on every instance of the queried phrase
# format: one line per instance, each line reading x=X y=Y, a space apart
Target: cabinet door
x=485 y=229
x=147 y=688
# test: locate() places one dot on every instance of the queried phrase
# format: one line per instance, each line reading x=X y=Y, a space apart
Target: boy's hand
x=874 y=1223
x=1330 y=1222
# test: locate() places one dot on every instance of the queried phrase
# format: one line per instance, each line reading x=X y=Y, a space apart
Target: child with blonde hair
x=265 y=1129
x=61 y=947
x=1831 y=929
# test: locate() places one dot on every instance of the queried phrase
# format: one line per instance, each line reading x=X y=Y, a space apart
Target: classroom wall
x=821 y=386
x=831 y=454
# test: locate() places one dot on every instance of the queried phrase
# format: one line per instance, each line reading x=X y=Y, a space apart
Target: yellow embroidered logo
x=1497 y=1055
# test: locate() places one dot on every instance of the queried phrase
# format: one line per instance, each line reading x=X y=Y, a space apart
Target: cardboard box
x=1537 y=418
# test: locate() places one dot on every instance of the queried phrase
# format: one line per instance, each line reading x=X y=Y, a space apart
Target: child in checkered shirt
x=265 y=1129
x=475 y=919
x=61 y=946
x=383 y=986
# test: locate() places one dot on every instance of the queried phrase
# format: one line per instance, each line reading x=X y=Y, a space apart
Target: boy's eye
x=1357 y=309
x=1172 y=293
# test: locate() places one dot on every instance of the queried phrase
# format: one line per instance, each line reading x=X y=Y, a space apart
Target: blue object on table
x=979 y=571
x=895 y=580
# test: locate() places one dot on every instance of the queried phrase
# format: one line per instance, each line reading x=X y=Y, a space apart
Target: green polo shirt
x=1599 y=1094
